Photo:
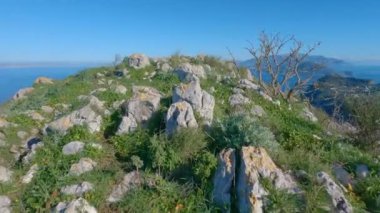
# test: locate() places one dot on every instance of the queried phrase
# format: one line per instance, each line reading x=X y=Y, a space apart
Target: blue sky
x=95 y=30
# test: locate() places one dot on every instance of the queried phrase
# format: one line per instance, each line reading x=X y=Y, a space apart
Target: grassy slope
x=176 y=189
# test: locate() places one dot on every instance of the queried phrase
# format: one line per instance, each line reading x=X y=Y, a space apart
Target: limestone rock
x=247 y=84
x=258 y=111
x=223 y=179
x=238 y=99
x=5 y=204
x=130 y=181
x=166 y=67
x=73 y=147
x=308 y=115
x=138 y=61
x=140 y=108
x=77 y=189
x=30 y=174
x=35 y=115
x=84 y=165
x=79 y=205
x=128 y=124
x=201 y=101
x=43 y=80
x=22 y=134
x=338 y=199
x=4 y=123
x=186 y=70
x=22 y=93
x=87 y=115
x=265 y=96
x=5 y=174
x=180 y=115
x=250 y=192
x=256 y=164
x=120 y=89
x=31 y=147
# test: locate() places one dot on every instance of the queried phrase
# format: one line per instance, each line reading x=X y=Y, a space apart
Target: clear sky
x=95 y=30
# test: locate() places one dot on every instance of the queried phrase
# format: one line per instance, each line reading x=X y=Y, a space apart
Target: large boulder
x=22 y=93
x=89 y=115
x=140 y=108
x=186 y=70
x=201 y=101
x=138 y=61
x=180 y=115
x=256 y=164
x=5 y=204
x=250 y=192
x=223 y=179
x=5 y=174
x=130 y=181
x=79 y=205
x=339 y=201
x=43 y=80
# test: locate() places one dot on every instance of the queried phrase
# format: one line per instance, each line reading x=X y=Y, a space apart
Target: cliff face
x=170 y=135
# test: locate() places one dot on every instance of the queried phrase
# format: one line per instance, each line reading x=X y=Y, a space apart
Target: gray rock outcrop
x=77 y=189
x=139 y=109
x=89 y=115
x=339 y=202
x=223 y=179
x=187 y=70
x=201 y=101
x=5 y=204
x=73 y=147
x=79 y=205
x=180 y=115
x=138 y=61
x=22 y=93
x=30 y=174
x=44 y=80
x=130 y=181
x=5 y=174
x=84 y=165
x=256 y=164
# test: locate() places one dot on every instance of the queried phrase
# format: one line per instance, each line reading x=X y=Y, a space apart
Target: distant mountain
x=314 y=59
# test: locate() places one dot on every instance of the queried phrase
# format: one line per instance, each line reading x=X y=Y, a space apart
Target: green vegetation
x=181 y=167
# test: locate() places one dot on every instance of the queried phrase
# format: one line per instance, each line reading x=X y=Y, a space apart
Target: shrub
x=134 y=143
x=204 y=166
x=240 y=130
x=77 y=133
x=168 y=154
x=165 y=197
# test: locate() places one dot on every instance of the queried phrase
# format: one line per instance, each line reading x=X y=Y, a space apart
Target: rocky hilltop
x=176 y=134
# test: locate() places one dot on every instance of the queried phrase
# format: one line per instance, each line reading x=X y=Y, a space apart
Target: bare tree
x=280 y=59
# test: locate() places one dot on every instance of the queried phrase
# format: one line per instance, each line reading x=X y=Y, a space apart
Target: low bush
x=240 y=130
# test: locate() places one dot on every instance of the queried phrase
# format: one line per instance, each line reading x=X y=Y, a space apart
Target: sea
x=14 y=78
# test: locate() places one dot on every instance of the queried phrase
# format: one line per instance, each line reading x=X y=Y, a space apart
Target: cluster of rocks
x=89 y=115
x=255 y=164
